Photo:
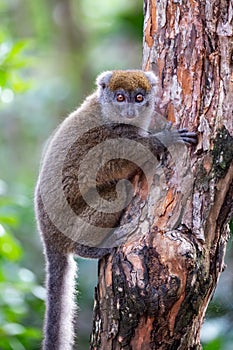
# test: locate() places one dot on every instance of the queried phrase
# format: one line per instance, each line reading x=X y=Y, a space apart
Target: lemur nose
x=130 y=112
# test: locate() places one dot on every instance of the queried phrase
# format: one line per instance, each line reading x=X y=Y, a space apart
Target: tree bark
x=153 y=291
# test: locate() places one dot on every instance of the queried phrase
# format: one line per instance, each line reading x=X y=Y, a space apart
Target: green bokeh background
x=50 y=54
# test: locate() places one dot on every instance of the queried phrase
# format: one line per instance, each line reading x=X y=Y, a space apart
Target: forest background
x=50 y=54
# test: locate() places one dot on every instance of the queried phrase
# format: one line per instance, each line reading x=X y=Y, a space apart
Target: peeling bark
x=153 y=292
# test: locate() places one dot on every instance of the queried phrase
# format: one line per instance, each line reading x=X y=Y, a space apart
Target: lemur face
x=127 y=96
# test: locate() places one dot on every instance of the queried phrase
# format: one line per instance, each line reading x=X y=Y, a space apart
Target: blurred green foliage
x=12 y=62
x=21 y=297
x=50 y=53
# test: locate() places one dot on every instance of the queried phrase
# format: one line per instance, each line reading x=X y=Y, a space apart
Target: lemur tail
x=60 y=310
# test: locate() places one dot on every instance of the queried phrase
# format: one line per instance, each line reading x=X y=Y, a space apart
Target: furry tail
x=60 y=308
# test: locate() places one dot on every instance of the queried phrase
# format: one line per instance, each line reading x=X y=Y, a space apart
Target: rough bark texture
x=153 y=292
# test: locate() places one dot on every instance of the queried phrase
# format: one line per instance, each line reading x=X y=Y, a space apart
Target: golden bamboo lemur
x=77 y=203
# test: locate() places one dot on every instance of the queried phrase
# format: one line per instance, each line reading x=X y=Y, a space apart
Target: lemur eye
x=139 y=98
x=120 y=97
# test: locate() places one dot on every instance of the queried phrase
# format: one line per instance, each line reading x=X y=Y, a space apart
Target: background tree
x=154 y=291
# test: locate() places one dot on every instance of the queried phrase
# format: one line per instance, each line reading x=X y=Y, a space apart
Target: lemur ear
x=104 y=78
x=152 y=78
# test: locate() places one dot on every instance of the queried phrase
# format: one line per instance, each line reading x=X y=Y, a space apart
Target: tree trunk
x=153 y=292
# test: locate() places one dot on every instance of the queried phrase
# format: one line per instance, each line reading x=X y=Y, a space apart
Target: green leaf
x=13 y=329
x=12 y=221
x=3 y=77
x=13 y=58
x=9 y=247
x=16 y=50
x=18 y=84
x=215 y=344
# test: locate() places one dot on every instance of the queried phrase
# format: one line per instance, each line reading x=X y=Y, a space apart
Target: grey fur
x=59 y=198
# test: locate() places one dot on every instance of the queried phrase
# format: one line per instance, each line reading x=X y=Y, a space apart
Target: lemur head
x=127 y=96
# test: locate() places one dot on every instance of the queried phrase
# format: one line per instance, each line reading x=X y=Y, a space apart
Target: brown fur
x=129 y=80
